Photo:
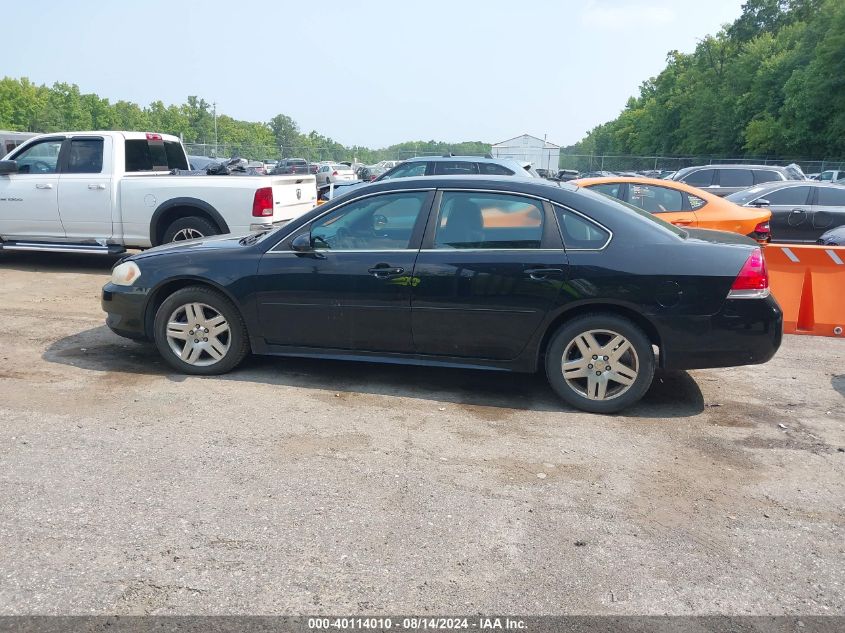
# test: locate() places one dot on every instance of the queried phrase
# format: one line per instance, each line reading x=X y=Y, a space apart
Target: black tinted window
x=700 y=178
x=492 y=169
x=144 y=155
x=406 y=170
x=735 y=178
x=446 y=168
x=86 y=156
x=787 y=196
x=765 y=175
x=831 y=197
x=577 y=232
x=488 y=220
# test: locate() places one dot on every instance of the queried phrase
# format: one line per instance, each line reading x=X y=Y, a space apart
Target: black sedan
x=492 y=273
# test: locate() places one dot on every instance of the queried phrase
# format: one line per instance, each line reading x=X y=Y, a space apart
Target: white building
x=10 y=140
x=526 y=148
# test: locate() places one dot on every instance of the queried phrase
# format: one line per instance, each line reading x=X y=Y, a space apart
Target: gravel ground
x=295 y=486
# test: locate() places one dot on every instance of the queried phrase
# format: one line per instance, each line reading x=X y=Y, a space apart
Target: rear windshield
x=645 y=214
x=144 y=155
x=296 y=162
x=746 y=195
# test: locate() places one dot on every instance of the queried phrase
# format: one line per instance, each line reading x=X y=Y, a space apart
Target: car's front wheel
x=600 y=363
x=199 y=331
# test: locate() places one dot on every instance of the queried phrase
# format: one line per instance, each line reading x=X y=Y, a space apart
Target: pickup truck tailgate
x=293 y=195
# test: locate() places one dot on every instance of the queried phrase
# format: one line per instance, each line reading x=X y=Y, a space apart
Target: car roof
x=643 y=180
x=483 y=159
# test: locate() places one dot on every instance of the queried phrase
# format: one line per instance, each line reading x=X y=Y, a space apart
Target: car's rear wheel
x=600 y=363
x=199 y=331
x=190 y=228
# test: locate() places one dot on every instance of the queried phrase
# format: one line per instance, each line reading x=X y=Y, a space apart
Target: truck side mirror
x=8 y=167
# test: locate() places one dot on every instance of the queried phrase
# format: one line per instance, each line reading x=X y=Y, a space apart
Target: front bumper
x=125 y=307
x=743 y=332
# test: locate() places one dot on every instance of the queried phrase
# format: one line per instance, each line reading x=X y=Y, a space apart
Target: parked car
x=103 y=192
x=833 y=237
x=723 y=180
x=565 y=175
x=197 y=163
x=686 y=206
x=371 y=173
x=334 y=172
x=292 y=166
x=831 y=175
x=270 y=165
x=494 y=273
x=801 y=211
x=442 y=166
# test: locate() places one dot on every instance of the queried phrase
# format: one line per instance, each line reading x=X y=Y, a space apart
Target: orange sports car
x=683 y=205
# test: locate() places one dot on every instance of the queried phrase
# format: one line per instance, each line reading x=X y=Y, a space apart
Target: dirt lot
x=297 y=486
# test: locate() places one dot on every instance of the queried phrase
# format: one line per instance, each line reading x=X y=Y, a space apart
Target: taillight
x=262 y=203
x=752 y=282
x=153 y=137
x=763 y=227
x=334 y=173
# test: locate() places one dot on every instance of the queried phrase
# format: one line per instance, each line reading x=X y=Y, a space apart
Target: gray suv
x=722 y=180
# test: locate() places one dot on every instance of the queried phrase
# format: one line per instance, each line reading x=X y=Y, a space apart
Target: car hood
x=217 y=242
x=719 y=237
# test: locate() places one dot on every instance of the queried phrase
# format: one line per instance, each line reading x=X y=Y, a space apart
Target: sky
x=368 y=73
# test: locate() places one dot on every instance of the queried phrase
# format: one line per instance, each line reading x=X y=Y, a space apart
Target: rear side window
x=86 y=156
x=578 y=233
x=788 y=195
x=488 y=220
x=765 y=175
x=608 y=189
x=655 y=199
x=144 y=155
x=459 y=168
x=700 y=178
x=695 y=202
x=735 y=178
x=492 y=169
x=831 y=197
x=406 y=170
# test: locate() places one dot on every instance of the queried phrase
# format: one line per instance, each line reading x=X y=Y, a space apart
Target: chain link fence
x=590 y=163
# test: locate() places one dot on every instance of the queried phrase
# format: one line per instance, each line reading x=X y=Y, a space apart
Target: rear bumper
x=743 y=332
x=124 y=308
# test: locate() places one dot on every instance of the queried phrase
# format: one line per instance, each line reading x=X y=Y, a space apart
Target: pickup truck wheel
x=199 y=331
x=189 y=228
x=600 y=363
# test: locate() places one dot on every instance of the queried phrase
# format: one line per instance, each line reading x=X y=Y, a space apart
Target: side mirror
x=8 y=167
x=302 y=243
x=761 y=202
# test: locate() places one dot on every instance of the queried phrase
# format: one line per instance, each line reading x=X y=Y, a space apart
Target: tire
x=207 y=354
x=588 y=385
x=191 y=227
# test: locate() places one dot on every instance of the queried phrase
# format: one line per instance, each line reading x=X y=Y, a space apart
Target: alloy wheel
x=600 y=364
x=187 y=234
x=198 y=334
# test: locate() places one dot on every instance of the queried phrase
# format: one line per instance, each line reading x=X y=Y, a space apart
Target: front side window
x=655 y=199
x=579 y=233
x=406 y=170
x=455 y=168
x=488 y=220
x=612 y=189
x=700 y=178
x=788 y=196
x=40 y=158
x=86 y=156
x=826 y=175
x=377 y=223
x=735 y=178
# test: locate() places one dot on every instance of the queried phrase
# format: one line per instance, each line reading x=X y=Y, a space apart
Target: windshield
x=645 y=214
x=746 y=195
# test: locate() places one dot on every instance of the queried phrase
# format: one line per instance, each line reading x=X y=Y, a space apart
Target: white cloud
x=623 y=14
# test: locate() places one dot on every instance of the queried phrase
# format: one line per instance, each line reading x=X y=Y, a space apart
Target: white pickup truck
x=104 y=192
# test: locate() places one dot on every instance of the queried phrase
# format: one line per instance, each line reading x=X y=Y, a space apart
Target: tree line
x=770 y=84
x=27 y=107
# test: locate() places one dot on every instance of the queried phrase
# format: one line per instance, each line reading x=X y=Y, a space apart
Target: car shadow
x=838 y=383
x=36 y=262
x=672 y=394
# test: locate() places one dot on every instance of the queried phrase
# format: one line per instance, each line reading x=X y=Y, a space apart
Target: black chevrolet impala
x=491 y=273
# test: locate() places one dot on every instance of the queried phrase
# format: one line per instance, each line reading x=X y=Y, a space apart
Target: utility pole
x=215 y=128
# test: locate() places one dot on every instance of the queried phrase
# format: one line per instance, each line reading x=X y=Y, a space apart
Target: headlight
x=125 y=274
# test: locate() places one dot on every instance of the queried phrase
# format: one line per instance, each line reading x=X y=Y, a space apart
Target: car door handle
x=383 y=271
x=43 y=185
x=97 y=186
x=682 y=222
x=542 y=273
